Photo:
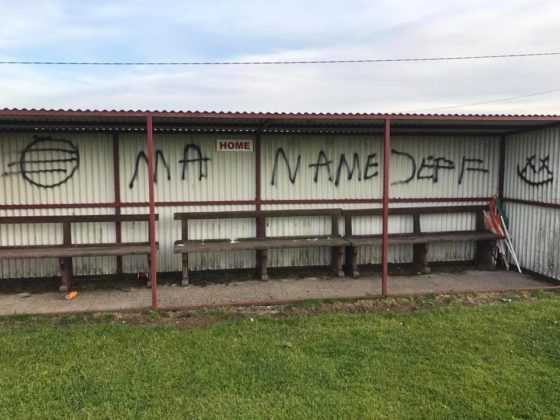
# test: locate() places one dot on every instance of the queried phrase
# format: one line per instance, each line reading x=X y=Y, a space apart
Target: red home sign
x=234 y=145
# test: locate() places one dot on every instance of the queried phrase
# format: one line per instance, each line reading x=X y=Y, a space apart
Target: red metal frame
x=152 y=227
x=385 y=249
x=502 y=169
x=261 y=118
x=117 y=188
x=244 y=203
x=258 y=201
x=532 y=203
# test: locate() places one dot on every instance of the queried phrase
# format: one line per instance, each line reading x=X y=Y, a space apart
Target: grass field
x=494 y=360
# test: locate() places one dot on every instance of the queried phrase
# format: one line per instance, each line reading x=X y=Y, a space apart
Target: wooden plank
x=94 y=218
x=254 y=214
x=66 y=264
x=256 y=244
x=420 y=257
x=415 y=210
x=80 y=250
x=427 y=237
x=215 y=215
x=185 y=269
x=66 y=267
x=302 y=213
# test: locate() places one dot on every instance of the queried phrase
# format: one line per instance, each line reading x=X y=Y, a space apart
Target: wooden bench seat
x=67 y=250
x=255 y=244
x=78 y=250
x=484 y=239
x=261 y=243
x=421 y=238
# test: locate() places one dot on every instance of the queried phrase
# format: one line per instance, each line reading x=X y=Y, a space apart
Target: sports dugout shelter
x=82 y=162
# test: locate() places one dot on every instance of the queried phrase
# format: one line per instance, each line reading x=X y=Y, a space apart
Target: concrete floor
x=283 y=290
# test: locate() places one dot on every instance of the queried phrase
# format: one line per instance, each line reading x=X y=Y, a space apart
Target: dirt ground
x=132 y=295
x=199 y=318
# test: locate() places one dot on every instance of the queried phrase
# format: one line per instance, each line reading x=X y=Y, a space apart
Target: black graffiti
x=432 y=166
x=142 y=156
x=533 y=175
x=370 y=163
x=46 y=155
x=322 y=162
x=466 y=167
x=355 y=167
x=291 y=177
x=199 y=159
x=413 y=167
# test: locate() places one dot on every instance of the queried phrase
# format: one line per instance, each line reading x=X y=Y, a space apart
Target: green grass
x=500 y=360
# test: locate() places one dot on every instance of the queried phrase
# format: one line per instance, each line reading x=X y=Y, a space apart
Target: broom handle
x=510 y=244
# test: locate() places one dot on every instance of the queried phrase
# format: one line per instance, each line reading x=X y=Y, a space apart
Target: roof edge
x=24 y=112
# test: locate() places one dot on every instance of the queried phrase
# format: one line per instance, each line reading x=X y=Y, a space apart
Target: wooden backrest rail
x=68 y=220
x=259 y=216
x=251 y=214
x=95 y=218
x=415 y=212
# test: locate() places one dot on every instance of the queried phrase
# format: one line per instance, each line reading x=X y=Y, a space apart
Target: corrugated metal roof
x=274 y=122
x=245 y=114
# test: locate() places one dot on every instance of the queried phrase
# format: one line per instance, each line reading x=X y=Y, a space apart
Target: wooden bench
x=485 y=239
x=67 y=250
x=260 y=243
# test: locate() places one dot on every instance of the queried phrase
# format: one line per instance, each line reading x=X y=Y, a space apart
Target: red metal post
x=152 y=203
x=385 y=247
x=258 y=171
x=117 y=187
x=502 y=168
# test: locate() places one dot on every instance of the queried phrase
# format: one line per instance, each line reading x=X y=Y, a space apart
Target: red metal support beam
x=117 y=188
x=385 y=246
x=258 y=198
x=246 y=202
x=532 y=203
x=152 y=204
x=502 y=168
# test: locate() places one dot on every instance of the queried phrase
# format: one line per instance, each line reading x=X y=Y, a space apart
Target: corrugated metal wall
x=469 y=169
x=57 y=169
x=190 y=169
x=531 y=174
x=421 y=167
x=197 y=172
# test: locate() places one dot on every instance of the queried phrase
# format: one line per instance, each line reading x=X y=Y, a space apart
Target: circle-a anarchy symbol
x=58 y=158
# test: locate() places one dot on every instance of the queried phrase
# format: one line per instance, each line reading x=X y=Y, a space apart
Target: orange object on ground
x=71 y=295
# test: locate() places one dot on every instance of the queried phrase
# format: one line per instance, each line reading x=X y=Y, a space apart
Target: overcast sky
x=235 y=30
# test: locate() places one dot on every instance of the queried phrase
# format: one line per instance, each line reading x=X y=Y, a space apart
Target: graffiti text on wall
x=325 y=168
x=534 y=173
x=433 y=167
x=46 y=162
x=192 y=157
x=429 y=168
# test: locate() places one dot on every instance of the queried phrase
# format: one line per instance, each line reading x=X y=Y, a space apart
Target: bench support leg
x=185 y=265
x=148 y=277
x=420 y=258
x=483 y=258
x=262 y=265
x=67 y=274
x=352 y=261
x=337 y=258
